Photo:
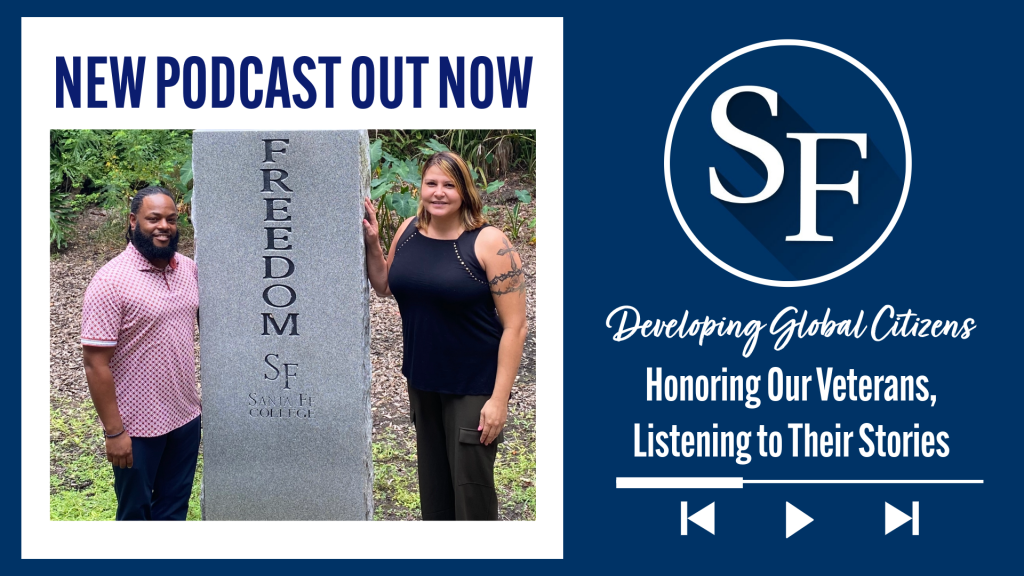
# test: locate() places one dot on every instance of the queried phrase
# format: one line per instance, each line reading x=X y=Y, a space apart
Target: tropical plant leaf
x=377 y=191
x=494 y=186
x=376 y=147
x=186 y=172
x=404 y=204
x=523 y=196
x=436 y=146
x=412 y=172
x=400 y=169
x=385 y=176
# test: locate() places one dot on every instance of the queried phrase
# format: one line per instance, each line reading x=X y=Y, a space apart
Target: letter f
x=809 y=186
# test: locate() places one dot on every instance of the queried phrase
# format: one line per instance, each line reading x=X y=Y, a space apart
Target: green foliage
x=515 y=468
x=61 y=218
x=83 y=488
x=195 y=511
x=134 y=159
x=81 y=201
x=493 y=186
x=491 y=153
x=495 y=152
x=515 y=221
x=403 y=142
x=433 y=146
x=99 y=503
x=396 y=159
x=81 y=479
x=403 y=203
x=110 y=166
x=394 y=468
x=376 y=149
x=514 y=216
x=394 y=186
x=74 y=156
x=179 y=181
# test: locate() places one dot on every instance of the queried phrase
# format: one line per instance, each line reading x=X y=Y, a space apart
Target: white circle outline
x=668 y=171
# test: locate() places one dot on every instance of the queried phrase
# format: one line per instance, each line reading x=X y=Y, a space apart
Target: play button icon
x=795 y=519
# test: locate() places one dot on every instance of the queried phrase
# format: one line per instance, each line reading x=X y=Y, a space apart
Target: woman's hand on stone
x=370 y=227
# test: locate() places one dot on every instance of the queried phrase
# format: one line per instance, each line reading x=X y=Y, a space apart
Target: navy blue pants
x=158 y=484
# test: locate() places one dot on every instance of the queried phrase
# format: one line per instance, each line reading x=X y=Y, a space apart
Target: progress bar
x=738 y=482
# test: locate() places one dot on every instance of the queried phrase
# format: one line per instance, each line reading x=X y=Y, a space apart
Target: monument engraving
x=284 y=324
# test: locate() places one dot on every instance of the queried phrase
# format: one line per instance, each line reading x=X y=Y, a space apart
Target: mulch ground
x=92 y=246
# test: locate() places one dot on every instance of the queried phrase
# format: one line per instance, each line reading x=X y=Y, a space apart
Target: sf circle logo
x=787 y=163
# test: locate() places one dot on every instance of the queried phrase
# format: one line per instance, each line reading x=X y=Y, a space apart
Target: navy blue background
x=817 y=92
x=953 y=255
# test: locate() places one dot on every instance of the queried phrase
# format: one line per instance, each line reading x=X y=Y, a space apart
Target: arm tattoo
x=515 y=276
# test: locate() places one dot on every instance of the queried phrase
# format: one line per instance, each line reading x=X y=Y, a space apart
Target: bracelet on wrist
x=113 y=435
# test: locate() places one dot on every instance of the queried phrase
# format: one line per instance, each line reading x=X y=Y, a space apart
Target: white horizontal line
x=679 y=482
x=701 y=482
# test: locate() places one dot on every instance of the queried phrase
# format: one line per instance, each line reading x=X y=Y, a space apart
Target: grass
x=82 y=481
x=515 y=469
x=395 y=489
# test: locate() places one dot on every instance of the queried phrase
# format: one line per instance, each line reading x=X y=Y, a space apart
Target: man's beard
x=144 y=244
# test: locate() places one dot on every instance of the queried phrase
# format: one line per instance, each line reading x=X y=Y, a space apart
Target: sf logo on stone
x=787 y=163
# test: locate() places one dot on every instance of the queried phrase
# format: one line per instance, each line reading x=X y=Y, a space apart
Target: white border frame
x=45 y=38
x=668 y=157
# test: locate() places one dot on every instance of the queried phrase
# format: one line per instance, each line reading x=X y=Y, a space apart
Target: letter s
x=764 y=151
x=865 y=430
x=266 y=360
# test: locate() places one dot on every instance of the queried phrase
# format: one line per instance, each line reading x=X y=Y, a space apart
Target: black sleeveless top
x=450 y=328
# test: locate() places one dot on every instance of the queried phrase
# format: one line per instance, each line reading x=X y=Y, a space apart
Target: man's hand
x=119 y=451
x=101 y=387
x=492 y=420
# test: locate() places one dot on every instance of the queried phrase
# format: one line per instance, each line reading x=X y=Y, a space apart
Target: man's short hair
x=148 y=191
x=136 y=202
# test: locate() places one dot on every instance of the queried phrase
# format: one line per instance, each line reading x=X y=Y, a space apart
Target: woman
x=460 y=288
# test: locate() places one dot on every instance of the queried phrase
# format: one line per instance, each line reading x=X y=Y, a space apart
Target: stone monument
x=284 y=324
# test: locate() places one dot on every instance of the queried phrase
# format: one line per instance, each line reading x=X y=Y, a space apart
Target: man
x=138 y=321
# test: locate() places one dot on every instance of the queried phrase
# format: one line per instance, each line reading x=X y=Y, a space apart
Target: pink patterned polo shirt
x=149 y=315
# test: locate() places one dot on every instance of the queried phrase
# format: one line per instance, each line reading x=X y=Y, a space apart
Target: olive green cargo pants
x=456 y=471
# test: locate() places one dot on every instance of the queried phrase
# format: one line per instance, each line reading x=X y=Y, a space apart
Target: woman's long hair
x=455 y=169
